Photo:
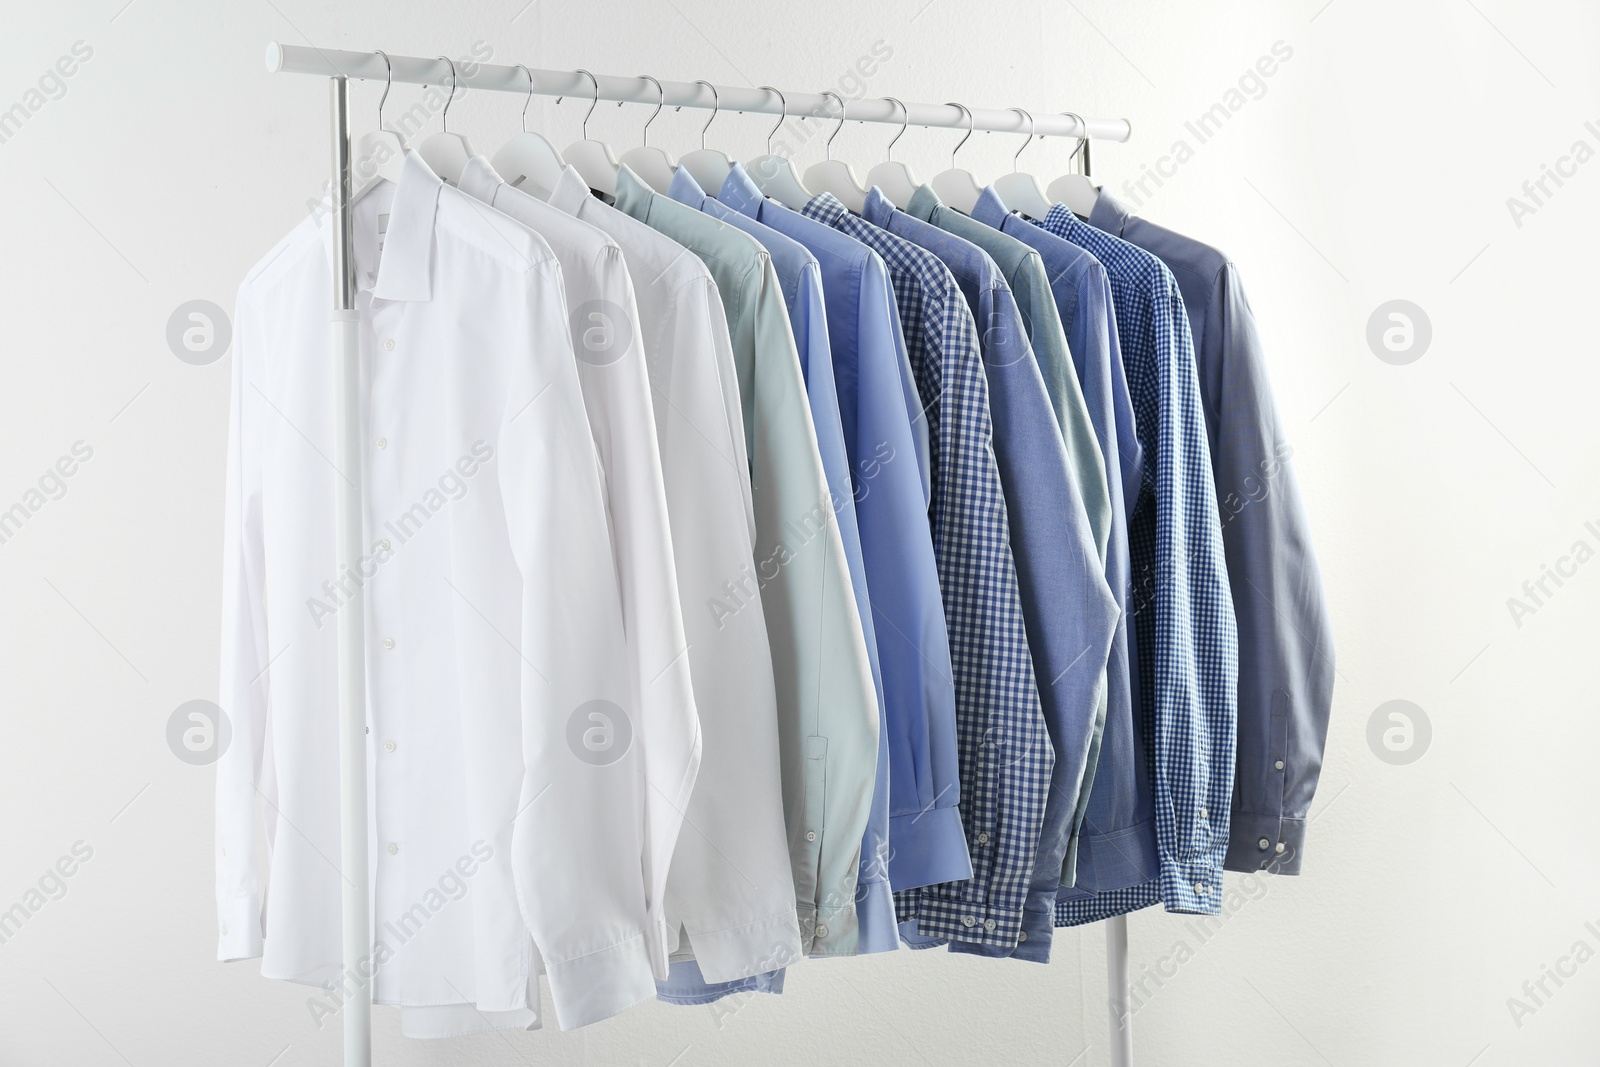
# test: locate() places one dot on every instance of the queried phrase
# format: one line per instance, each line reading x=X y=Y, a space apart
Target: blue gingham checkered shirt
x=1005 y=754
x=1181 y=602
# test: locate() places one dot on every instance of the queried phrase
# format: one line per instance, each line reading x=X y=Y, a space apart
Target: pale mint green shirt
x=1030 y=287
x=827 y=702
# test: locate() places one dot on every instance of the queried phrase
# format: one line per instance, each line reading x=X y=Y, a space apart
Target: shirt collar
x=685 y=190
x=570 y=191
x=741 y=193
x=406 y=270
x=990 y=209
x=480 y=181
x=924 y=203
x=827 y=208
x=633 y=195
x=1109 y=214
x=878 y=209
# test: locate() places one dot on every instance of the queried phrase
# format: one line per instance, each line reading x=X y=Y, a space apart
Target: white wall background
x=1375 y=166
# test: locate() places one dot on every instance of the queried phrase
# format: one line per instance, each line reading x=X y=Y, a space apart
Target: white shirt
x=606 y=336
x=731 y=889
x=494 y=631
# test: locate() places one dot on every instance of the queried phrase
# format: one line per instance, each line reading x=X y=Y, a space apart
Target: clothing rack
x=339 y=66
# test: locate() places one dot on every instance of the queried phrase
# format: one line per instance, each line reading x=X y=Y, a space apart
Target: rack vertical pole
x=1118 y=996
x=356 y=907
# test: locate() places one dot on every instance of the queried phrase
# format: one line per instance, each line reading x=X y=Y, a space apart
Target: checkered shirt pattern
x=1181 y=603
x=1000 y=724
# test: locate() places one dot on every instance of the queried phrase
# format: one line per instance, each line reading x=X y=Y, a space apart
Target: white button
x=822 y=929
x=1279 y=848
x=1022 y=935
x=384 y=544
x=988 y=924
x=369 y=729
x=1263 y=843
x=983 y=839
x=388 y=642
x=1201 y=888
x=811 y=835
x=394 y=849
x=967 y=920
x=1278 y=765
x=224 y=929
x=388 y=346
x=388 y=746
x=383 y=442
x=1204 y=814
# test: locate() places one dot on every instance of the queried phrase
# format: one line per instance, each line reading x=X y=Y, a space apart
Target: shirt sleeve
x=243 y=683
x=1194 y=656
x=616 y=391
x=1285 y=638
x=730 y=887
x=827 y=701
x=578 y=838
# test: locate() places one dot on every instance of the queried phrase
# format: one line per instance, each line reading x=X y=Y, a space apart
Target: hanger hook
x=388 y=83
x=968 y=112
x=1031 y=127
x=592 y=103
x=827 y=146
x=1080 y=151
x=783 y=109
x=716 y=106
x=661 y=98
x=444 y=117
x=529 y=100
x=905 y=120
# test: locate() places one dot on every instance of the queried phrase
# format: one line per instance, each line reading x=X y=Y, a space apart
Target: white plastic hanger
x=834 y=175
x=707 y=166
x=446 y=153
x=527 y=161
x=380 y=153
x=1075 y=188
x=593 y=159
x=958 y=188
x=774 y=175
x=1019 y=191
x=651 y=164
x=894 y=179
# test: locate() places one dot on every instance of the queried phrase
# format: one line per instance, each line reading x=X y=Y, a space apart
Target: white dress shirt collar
x=405 y=271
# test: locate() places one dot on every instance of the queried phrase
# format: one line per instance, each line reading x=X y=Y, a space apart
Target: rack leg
x=1118 y=997
x=356 y=914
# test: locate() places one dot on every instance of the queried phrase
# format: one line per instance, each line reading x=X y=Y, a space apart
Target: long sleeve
x=243 y=684
x=1285 y=638
x=616 y=390
x=580 y=828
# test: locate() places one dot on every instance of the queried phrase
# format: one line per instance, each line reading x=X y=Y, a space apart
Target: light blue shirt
x=1066 y=603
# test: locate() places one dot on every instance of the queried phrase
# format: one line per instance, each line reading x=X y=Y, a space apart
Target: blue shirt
x=1068 y=610
x=804 y=287
x=873 y=374
x=1182 y=606
x=1285 y=637
x=1114 y=843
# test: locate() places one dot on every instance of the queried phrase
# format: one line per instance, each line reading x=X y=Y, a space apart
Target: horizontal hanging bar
x=338 y=63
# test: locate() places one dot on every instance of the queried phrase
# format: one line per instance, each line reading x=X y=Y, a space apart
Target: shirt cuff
x=975 y=923
x=726 y=956
x=601 y=984
x=1265 y=843
x=1192 y=888
x=875 y=922
x=239 y=929
x=928 y=848
x=828 y=929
